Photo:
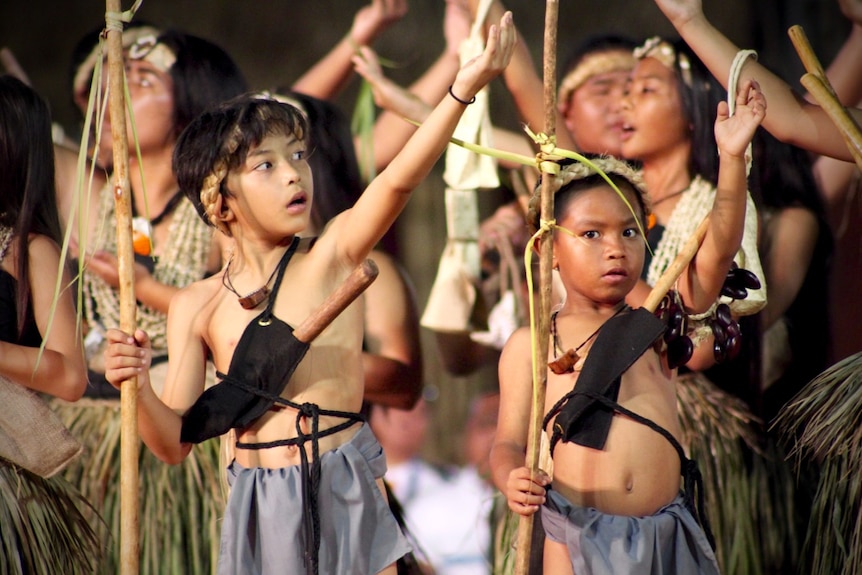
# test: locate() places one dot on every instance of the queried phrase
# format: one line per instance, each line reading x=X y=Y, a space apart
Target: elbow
x=72 y=388
x=174 y=456
x=73 y=394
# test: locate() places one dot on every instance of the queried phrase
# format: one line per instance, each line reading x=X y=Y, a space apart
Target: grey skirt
x=667 y=542
x=262 y=531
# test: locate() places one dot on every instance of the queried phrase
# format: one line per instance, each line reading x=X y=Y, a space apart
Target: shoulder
x=41 y=248
x=517 y=354
x=519 y=341
x=196 y=294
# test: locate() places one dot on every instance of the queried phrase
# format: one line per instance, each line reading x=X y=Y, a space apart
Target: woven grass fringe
x=42 y=528
x=180 y=505
x=751 y=491
x=823 y=425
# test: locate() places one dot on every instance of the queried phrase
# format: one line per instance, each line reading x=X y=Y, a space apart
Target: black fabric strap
x=619 y=343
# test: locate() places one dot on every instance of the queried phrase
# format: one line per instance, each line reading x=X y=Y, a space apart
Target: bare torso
x=330 y=374
x=638 y=471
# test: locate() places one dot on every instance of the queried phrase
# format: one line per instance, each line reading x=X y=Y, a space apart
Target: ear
x=224 y=211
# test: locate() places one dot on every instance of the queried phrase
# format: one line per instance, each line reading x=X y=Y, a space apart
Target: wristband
x=459 y=100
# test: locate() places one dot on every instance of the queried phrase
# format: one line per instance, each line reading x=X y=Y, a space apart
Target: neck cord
x=254 y=298
x=565 y=361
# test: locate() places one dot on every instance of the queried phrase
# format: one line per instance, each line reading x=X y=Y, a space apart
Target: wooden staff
x=129 y=442
x=673 y=271
x=818 y=85
x=540 y=377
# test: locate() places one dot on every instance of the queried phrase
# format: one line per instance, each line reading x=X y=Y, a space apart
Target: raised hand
x=387 y=94
x=733 y=133
x=680 y=11
x=483 y=68
x=456 y=24
x=372 y=20
x=106 y=266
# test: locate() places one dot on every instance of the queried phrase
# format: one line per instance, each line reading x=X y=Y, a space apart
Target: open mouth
x=298 y=200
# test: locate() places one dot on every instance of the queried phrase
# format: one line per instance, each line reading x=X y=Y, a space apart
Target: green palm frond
x=181 y=505
x=750 y=489
x=43 y=526
x=362 y=127
x=823 y=424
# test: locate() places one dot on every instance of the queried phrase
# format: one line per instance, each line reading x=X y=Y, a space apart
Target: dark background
x=274 y=41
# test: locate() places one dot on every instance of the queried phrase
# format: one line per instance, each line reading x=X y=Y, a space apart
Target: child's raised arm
x=526 y=86
x=701 y=283
x=362 y=226
x=791 y=119
x=416 y=102
x=328 y=76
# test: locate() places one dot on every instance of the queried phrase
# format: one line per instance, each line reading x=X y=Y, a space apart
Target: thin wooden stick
x=359 y=279
x=129 y=440
x=540 y=377
x=850 y=130
x=806 y=54
x=676 y=267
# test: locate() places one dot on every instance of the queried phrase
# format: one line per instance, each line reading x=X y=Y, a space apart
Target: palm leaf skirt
x=751 y=490
x=823 y=424
x=42 y=528
x=180 y=506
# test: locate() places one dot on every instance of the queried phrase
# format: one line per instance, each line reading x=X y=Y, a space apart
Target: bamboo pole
x=818 y=85
x=540 y=377
x=129 y=442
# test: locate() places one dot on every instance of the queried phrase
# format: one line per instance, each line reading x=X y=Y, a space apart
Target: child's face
x=652 y=112
x=602 y=260
x=271 y=193
x=152 y=101
x=592 y=113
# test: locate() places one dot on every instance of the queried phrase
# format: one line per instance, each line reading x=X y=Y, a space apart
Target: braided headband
x=579 y=171
x=593 y=65
x=210 y=194
x=146 y=35
x=666 y=54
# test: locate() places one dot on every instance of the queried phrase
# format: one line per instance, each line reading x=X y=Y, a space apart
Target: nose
x=623 y=102
x=616 y=98
x=290 y=173
x=614 y=248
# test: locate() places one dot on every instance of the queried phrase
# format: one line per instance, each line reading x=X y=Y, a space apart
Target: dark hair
x=782 y=177
x=204 y=75
x=568 y=192
x=28 y=201
x=227 y=133
x=700 y=94
x=618 y=171
x=332 y=158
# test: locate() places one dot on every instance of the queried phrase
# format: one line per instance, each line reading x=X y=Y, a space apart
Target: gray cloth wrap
x=262 y=531
x=668 y=542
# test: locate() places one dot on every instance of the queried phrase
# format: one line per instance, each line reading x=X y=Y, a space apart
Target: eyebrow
x=259 y=151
